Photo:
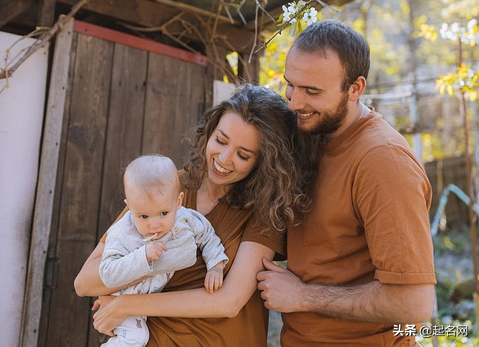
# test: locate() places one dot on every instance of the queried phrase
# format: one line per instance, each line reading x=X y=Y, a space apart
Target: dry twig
x=41 y=41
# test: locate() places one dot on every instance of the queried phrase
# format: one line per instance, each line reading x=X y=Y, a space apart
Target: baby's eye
x=143 y=216
x=164 y=213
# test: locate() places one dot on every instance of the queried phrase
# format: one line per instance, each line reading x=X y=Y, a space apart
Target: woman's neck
x=208 y=196
x=214 y=191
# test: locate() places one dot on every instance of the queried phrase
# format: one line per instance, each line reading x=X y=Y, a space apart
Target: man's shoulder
x=380 y=135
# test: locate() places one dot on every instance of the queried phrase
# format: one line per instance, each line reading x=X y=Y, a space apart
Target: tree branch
x=41 y=41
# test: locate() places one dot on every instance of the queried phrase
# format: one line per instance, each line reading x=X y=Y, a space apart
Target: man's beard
x=330 y=121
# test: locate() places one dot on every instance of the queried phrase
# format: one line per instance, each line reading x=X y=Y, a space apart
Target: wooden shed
x=125 y=78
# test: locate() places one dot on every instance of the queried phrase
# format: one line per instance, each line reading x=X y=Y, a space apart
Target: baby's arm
x=124 y=258
x=119 y=269
x=212 y=250
x=214 y=277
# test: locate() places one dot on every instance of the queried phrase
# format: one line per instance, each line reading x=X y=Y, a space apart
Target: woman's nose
x=225 y=156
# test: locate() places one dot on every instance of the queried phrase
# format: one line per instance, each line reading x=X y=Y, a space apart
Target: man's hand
x=280 y=288
x=214 y=278
x=154 y=250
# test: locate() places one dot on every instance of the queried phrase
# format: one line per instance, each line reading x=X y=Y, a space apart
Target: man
x=360 y=265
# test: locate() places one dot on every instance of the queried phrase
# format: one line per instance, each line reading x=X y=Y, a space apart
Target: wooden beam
x=140 y=12
x=138 y=42
x=151 y=14
x=46 y=13
x=42 y=218
x=189 y=8
x=13 y=9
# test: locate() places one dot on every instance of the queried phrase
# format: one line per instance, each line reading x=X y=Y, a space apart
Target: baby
x=156 y=237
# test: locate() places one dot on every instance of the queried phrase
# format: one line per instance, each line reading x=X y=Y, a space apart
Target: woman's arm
x=238 y=286
x=88 y=281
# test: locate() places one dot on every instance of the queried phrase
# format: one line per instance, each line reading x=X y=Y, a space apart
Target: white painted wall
x=222 y=91
x=21 y=118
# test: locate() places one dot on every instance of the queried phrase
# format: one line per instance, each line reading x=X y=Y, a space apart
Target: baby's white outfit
x=124 y=261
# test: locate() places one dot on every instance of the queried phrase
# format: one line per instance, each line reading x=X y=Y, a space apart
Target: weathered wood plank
x=125 y=123
x=51 y=255
x=46 y=13
x=78 y=215
x=160 y=95
x=46 y=187
x=172 y=106
x=189 y=107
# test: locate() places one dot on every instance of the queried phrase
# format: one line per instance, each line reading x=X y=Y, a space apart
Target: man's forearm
x=371 y=302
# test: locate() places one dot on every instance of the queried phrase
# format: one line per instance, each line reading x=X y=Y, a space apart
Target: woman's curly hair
x=274 y=188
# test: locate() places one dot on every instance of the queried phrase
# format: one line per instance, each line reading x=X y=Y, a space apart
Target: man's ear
x=357 y=88
x=179 y=201
x=126 y=202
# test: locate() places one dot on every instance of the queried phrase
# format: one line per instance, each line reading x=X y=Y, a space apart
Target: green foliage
x=272 y=62
x=464 y=79
x=396 y=38
x=450 y=341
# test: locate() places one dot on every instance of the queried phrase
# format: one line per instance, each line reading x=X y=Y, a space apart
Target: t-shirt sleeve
x=273 y=240
x=392 y=200
x=125 y=210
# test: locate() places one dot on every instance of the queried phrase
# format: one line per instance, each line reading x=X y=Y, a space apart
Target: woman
x=243 y=177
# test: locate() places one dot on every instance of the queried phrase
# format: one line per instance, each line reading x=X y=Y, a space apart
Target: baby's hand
x=214 y=278
x=154 y=250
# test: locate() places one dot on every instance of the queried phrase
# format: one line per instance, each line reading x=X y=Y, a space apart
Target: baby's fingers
x=219 y=282
x=208 y=285
x=161 y=246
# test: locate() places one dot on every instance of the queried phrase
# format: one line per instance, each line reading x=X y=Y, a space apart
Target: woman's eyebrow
x=243 y=148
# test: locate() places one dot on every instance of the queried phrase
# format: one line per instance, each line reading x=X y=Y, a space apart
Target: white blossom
x=454 y=32
x=310 y=16
x=290 y=12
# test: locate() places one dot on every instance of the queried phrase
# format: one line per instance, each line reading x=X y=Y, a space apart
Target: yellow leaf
x=272 y=47
x=450 y=90
x=473 y=95
x=442 y=88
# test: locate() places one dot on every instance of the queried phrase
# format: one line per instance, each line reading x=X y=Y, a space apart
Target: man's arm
x=370 y=302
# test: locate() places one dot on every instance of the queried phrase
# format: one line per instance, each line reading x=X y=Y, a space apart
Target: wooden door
x=121 y=102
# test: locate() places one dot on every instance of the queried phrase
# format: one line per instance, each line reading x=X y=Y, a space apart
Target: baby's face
x=153 y=213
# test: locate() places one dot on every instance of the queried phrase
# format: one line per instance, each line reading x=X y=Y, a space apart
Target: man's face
x=314 y=91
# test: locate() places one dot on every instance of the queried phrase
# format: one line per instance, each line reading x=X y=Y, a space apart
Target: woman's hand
x=107 y=316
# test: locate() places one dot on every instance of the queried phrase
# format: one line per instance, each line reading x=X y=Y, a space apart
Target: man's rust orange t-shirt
x=369 y=221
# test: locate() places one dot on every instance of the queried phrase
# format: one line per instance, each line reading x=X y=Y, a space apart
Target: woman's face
x=232 y=150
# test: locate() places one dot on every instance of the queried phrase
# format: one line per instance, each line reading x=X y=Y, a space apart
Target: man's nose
x=295 y=101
